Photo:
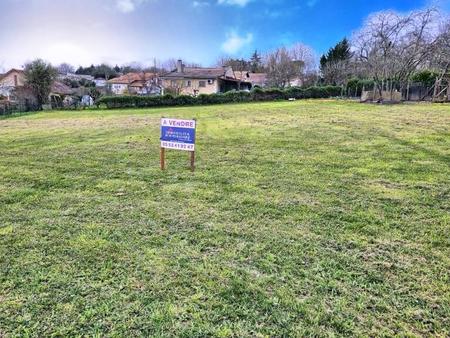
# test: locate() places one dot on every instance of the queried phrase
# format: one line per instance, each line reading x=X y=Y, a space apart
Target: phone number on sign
x=177 y=145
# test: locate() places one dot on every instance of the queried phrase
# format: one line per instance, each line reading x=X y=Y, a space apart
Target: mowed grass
x=307 y=218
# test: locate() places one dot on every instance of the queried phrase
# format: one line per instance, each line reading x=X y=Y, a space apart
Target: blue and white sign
x=178 y=134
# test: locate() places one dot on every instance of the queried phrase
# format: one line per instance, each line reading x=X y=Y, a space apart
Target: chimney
x=180 y=66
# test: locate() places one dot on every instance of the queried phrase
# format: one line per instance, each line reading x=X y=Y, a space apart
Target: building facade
x=199 y=80
x=11 y=80
x=142 y=83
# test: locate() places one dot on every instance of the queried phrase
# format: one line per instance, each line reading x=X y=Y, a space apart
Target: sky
x=84 y=32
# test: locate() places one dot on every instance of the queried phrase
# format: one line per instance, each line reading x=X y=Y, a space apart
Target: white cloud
x=200 y=4
x=128 y=6
x=234 y=42
x=240 y=3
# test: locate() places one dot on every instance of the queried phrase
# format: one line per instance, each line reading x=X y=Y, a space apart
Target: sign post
x=162 y=158
x=179 y=135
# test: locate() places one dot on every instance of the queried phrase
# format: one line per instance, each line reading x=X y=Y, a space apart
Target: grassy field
x=307 y=218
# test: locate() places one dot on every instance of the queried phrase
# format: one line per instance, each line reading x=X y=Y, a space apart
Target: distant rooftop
x=197 y=73
x=10 y=71
x=61 y=88
x=132 y=77
x=255 y=78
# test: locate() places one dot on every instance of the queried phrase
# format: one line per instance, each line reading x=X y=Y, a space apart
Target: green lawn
x=306 y=218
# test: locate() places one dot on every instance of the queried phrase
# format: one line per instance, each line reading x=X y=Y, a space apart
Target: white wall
x=119 y=88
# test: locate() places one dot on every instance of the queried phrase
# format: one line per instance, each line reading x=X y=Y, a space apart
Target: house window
x=188 y=83
x=202 y=83
x=210 y=82
x=16 y=82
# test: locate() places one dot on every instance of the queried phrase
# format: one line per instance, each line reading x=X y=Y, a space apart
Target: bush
x=425 y=77
x=256 y=95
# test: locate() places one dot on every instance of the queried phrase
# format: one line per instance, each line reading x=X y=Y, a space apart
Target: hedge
x=256 y=95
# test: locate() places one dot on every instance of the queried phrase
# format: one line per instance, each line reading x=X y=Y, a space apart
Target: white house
x=100 y=83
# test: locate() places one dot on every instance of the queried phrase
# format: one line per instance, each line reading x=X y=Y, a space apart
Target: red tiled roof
x=131 y=77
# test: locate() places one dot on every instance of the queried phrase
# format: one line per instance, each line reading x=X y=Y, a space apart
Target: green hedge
x=256 y=95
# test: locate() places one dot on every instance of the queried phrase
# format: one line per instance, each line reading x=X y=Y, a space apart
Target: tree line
x=389 y=51
x=283 y=66
x=392 y=50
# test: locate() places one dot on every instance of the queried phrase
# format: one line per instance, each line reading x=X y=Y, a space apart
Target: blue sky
x=124 y=31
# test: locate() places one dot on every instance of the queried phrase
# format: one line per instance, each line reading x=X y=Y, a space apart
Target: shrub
x=256 y=95
x=426 y=77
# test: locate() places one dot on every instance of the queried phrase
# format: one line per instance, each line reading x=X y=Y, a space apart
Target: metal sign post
x=179 y=135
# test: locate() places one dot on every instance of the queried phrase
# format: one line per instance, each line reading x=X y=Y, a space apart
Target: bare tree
x=65 y=68
x=390 y=47
x=281 y=69
x=338 y=72
x=304 y=54
x=285 y=64
x=193 y=65
x=171 y=64
x=440 y=62
x=441 y=56
x=240 y=65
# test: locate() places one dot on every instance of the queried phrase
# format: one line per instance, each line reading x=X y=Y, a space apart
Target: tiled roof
x=131 y=77
x=138 y=83
x=10 y=71
x=254 y=78
x=196 y=73
x=61 y=88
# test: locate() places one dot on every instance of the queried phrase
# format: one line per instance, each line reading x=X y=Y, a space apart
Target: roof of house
x=10 y=71
x=254 y=78
x=196 y=73
x=138 y=83
x=77 y=77
x=131 y=77
x=61 y=89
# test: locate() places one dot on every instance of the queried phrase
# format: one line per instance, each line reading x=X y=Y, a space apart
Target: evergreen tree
x=255 y=62
x=323 y=62
x=340 y=52
x=100 y=71
x=333 y=65
x=79 y=71
x=40 y=77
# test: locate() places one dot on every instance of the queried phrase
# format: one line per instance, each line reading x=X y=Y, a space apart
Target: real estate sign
x=178 y=134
